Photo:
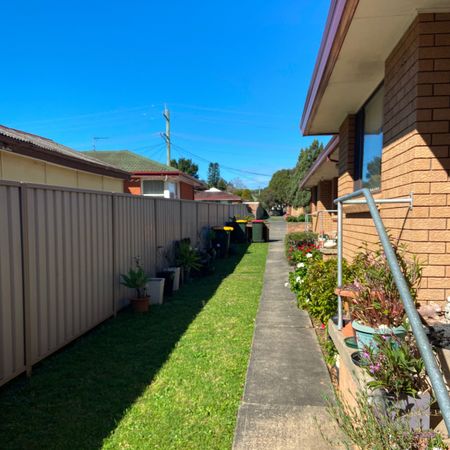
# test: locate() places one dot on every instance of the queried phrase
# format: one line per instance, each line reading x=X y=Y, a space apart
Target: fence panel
x=202 y=215
x=12 y=355
x=134 y=237
x=168 y=230
x=212 y=215
x=189 y=226
x=69 y=265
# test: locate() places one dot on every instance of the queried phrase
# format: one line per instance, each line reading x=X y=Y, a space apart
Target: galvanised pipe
x=423 y=343
x=339 y=263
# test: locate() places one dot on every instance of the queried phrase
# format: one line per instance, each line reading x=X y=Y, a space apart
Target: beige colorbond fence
x=61 y=255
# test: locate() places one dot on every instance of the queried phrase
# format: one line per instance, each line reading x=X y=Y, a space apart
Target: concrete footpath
x=287 y=379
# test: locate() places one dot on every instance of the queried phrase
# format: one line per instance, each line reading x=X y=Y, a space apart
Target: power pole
x=166 y=135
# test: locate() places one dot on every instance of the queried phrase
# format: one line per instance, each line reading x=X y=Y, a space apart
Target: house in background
x=149 y=177
x=217 y=196
x=382 y=85
x=322 y=180
x=29 y=158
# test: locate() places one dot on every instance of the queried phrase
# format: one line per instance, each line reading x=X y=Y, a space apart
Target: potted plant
x=397 y=374
x=376 y=307
x=137 y=279
x=188 y=259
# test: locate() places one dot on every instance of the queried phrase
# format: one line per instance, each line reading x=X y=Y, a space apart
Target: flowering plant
x=395 y=366
x=377 y=300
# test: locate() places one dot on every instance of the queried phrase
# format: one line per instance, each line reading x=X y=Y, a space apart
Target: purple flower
x=365 y=354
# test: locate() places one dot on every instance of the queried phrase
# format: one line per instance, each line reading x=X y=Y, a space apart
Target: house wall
x=323 y=223
x=186 y=191
x=15 y=167
x=415 y=154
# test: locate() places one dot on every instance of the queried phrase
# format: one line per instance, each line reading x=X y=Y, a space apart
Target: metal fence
x=61 y=255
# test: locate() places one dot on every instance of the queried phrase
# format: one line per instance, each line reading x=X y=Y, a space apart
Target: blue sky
x=234 y=75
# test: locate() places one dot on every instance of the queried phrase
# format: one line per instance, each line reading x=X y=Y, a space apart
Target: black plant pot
x=168 y=276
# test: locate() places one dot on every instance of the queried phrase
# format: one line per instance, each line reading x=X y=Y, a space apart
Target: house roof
x=324 y=167
x=358 y=38
x=129 y=161
x=39 y=147
x=140 y=165
x=216 y=195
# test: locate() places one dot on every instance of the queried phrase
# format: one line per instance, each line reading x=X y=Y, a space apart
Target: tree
x=185 y=165
x=222 y=184
x=277 y=194
x=299 y=197
x=245 y=194
x=214 y=175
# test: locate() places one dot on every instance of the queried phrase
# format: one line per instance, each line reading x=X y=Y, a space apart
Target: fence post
x=114 y=252
x=27 y=325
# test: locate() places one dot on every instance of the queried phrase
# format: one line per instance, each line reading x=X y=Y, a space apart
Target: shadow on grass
x=76 y=397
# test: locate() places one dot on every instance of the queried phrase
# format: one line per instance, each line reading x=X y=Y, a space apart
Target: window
x=153 y=187
x=369 y=142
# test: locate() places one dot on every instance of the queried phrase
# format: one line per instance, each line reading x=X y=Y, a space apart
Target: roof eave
x=34 y=151
x=328 y=151
x=338 y=22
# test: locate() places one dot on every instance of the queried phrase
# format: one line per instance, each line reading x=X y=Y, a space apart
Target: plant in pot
x=137 y=279
x=188 y=259
x=166 y=273
x=376 y=307
x=397 y=374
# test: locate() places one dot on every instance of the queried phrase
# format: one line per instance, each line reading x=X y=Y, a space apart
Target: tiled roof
x=129 y=161
x=49 y=147
x=216 y=196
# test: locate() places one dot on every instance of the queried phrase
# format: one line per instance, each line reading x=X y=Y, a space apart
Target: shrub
x=293 y=241
x=314 y=286
x=300 y=218
x=378 y=301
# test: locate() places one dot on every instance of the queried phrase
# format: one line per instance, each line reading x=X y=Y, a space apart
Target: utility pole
x=166 y=135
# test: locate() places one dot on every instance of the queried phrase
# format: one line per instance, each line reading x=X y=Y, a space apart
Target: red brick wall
x=186 y=191
x=323 y=222
x=415 y=153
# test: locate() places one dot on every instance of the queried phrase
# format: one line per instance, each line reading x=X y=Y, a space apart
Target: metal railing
x=318 y=213
x=417 y=328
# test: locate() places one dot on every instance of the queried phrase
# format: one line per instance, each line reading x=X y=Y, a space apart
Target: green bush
x=294 y=240
x=300 y=218
x=314 y=287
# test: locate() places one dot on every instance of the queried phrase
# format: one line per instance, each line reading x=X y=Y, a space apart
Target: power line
x=221 y=165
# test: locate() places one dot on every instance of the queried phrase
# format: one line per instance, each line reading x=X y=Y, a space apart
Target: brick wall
x=323 y=223
x=415 y=155
x=186 y=191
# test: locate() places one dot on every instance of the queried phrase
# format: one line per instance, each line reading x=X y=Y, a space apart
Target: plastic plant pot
x=155 y=288
x=168 y=276
x=365 y=336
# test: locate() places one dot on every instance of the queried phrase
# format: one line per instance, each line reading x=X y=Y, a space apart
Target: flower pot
x=365 y=335
x=140 y=305
x=155 y=288
x=176 y=278
x=168 y=276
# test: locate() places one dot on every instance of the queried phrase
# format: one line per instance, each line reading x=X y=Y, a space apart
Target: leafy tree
x=277 y=194
x=185 y=165
x=214 y=175
x=299 y=197
x=245 y=194
x=222 y=184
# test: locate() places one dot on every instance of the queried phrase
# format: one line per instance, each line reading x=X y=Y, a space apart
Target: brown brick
x=433 y=271
x=434 y=52
x=442 y=39
x=439 y=188
x=442 y=89
x=442 y=16
x=441 y=139
x=425 y=114
x=429 y=224
x=442 y=64
x=439 y=259
x=433 y=127
x=439 y=283
x=432 y=294
x=433 y=77
x=441 y=114
x=440 y=211
x=426 y=40
x=441 y=236
x=434 y=27
x=430 y=200
x=433 y=102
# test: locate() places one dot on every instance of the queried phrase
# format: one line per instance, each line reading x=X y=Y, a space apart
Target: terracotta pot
x=348 y=330
x=140 y=305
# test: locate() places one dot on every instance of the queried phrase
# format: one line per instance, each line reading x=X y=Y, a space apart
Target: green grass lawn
x=172 y=379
